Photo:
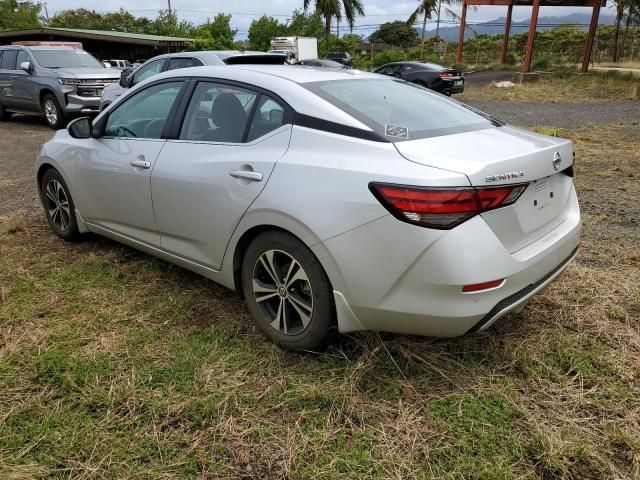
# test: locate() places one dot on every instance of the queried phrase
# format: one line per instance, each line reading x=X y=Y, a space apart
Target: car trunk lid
x=506 y=156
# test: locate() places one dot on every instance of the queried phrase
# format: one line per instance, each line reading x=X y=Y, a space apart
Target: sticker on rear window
x=396 y=132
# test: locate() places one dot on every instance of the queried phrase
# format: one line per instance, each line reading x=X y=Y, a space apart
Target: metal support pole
x=591 y=36
x=533 y=24
x=463 y=19
x=507 y=31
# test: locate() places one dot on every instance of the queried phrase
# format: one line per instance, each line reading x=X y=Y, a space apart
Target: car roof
x=38 y=47
x=213 y=55
x=427 y=65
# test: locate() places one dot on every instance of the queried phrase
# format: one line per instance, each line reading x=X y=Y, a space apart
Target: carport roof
x=106 y=35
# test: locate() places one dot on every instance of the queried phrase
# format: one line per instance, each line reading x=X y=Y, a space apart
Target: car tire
x=4 y=115
x=288 y=292
x=52 y=112
x=58 y=206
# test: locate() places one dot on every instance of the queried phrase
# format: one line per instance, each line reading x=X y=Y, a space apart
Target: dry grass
x=117 y=365
x=562 y=89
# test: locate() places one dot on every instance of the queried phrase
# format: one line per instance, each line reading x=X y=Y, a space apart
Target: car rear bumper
x=406 y=279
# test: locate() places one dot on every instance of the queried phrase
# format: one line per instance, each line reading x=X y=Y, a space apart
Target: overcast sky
x=377 y=11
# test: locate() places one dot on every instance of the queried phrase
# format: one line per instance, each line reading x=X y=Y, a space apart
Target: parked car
x=173 y=61
x=325 y=198
x=430 y=75
x=120 y=64
x=55 y=82
x=344 y=58
x=317 y=62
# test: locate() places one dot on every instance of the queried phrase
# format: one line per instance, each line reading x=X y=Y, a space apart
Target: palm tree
x=333 y=8
x=424 y=9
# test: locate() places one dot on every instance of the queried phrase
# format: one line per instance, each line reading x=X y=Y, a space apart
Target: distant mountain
x=494 y=27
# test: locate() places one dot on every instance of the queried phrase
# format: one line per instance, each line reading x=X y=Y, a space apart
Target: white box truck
x=298 y=48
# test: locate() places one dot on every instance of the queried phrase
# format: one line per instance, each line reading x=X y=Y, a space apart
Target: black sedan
x=436 y=77
x=317 y=62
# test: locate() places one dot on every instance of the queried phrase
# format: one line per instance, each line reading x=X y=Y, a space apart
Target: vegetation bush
x=389 y=56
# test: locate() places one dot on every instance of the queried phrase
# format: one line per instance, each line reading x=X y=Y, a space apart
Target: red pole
x=461 y=34
x=505 y=39
x=591 y=36
x=532 y=36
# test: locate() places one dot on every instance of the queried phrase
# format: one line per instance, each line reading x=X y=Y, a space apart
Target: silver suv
x=55 y=82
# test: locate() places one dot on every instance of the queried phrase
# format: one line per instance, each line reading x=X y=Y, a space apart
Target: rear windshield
x=399 y=110
x=65 y=59
x=256 y=60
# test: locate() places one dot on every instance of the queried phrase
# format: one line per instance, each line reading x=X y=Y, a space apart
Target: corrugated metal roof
x=140 y=36
x=106 y=35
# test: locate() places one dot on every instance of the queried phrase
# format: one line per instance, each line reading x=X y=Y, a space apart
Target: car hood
x=492 y=156
x=88 y=73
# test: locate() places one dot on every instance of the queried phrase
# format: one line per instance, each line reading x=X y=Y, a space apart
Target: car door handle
x=249 y=175
x=140 y=164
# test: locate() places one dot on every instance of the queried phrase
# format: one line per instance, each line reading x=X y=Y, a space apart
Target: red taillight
x=476 y=287
x=442 y=208
x=446 y=74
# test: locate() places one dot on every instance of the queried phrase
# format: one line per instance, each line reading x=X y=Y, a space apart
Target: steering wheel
x=126 y=131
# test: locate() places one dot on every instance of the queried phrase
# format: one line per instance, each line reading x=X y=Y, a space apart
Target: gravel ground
x=20 y=141
x=563 y=115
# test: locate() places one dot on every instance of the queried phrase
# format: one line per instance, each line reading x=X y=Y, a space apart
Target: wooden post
x=533 y=24
x=463 y=19
x=591 y=36
x=505 y=39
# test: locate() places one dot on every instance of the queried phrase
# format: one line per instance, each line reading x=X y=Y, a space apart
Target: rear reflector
x=442 y=208
x=476 y=287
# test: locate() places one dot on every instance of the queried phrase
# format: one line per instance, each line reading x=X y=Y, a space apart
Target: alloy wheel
x=57 y=204
x=283 y=292
x=51 y=112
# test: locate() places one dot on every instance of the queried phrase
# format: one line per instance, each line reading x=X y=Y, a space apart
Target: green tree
x=305 y=24
x=329 y=9
x=396 y=33
x=262 y=30
x=77 y=18
x=167 y=24
x=16 y=15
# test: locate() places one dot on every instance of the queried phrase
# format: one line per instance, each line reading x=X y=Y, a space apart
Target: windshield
x=399 y=110
x=65 y=59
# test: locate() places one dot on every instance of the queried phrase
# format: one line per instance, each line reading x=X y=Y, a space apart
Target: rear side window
x=268 y=117
x=398 y=110
x=9 y=60
x=218 y=113
x=176 y=63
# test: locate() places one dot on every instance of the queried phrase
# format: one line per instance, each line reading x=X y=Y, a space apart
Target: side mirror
x=27 y=67
x=126 y=79
x=80 y=128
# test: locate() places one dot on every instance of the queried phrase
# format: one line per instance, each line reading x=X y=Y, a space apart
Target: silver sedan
x=324 y=197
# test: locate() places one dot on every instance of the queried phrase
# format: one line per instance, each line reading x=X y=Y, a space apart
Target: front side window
x=398 y=110
x=217 y=113
x=145 y=114
x=176 y=63
x=148 y=71
x=65 y=58
x=22 y=57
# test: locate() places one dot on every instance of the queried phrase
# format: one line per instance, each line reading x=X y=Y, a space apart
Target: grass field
x=116 y=365
x=569 y=88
